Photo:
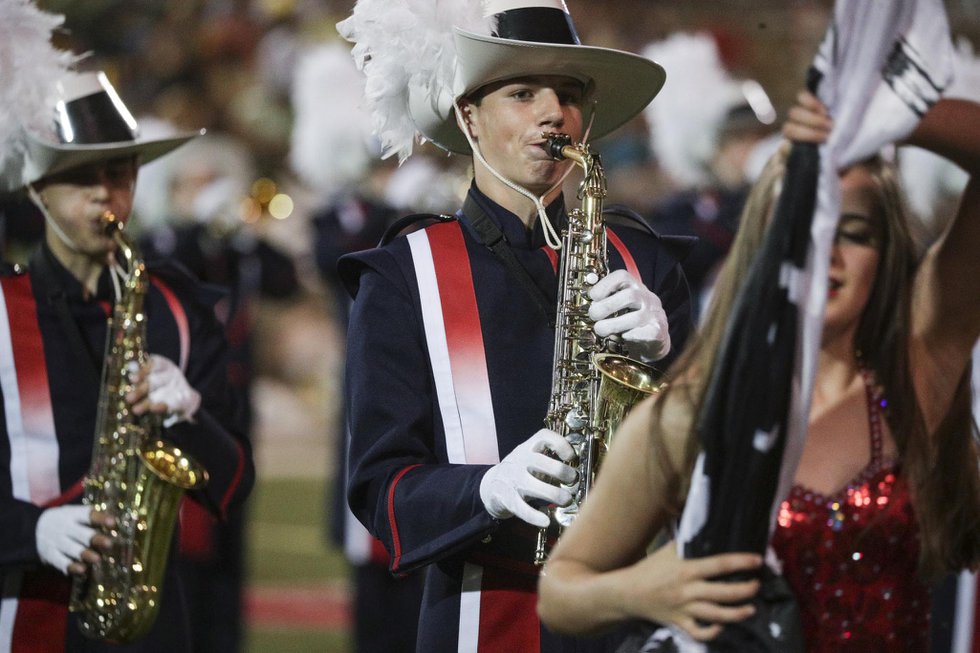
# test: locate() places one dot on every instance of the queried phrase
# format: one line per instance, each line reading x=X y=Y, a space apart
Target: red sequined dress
x=852 y=559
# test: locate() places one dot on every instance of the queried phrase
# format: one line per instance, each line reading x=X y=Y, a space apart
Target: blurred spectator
x=710 y=134
x=21 y=227
x=333 y=153
x=193 y=209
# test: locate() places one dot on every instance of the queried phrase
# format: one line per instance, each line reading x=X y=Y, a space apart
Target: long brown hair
x=941 y=470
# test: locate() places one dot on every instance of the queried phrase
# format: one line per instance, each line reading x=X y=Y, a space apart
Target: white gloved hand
x=62 y=534
x=643 y=325
x=508 y=485
x=168 y=386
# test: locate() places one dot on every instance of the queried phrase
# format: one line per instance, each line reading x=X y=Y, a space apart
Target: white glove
x=62 y=534
x=642 y=325
x=508 y=485
x=168 y=386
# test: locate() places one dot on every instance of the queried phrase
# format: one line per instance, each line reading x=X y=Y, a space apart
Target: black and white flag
x=880 y=67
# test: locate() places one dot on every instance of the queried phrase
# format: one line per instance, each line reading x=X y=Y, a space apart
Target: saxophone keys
x=575 y=420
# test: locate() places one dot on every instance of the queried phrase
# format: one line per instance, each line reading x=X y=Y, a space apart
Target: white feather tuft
x=685 y=116
x=331 y=145
x=407 y=43
x=29 y=66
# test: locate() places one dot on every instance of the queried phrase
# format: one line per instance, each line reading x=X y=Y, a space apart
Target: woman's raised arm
x=945 y=311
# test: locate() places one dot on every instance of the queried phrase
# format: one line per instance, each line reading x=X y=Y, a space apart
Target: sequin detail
x=852 y=558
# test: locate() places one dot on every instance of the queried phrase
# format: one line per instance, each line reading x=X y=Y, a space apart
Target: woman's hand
x=808 y=120
x=671 y=590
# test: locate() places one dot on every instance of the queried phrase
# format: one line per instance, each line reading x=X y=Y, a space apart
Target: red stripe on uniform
x=233 y=485
x=42 y=613
x=624 y=253
x=552 y=256
x=180 y=317
x=508 y=613
x=25 y=340
x=476 y=441
x=392 y=522
x=37 y=415
x=196 y=539
x=68 y=495
x=460 y=315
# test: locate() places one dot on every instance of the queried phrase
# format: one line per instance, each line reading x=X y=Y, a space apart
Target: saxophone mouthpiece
x=554 y=144
x=110 y=223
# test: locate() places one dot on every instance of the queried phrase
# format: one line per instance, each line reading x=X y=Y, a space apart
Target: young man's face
x=76 y=200
x=508 y=119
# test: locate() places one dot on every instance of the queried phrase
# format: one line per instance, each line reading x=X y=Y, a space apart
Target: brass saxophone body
x=593 y=384
x=134 y=476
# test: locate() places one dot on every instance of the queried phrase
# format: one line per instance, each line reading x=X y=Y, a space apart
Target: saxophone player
x=452 y=337
x=80 y=163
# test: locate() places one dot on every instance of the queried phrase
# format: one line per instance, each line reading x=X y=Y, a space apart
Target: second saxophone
x=134 y=476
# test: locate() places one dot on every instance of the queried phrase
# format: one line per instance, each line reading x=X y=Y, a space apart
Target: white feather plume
x=684 y=118
x=403 y=43
x=331 y=145
x=29 y=66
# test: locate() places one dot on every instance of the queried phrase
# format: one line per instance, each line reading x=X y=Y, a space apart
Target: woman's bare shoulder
x=660 y=425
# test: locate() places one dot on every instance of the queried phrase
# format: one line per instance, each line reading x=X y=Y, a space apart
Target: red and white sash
x=34 y=454
x=454 y=336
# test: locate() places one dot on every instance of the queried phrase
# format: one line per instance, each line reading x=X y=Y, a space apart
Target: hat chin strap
x=55 y=227
x=551 y=236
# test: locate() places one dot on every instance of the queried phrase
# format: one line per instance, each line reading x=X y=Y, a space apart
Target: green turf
x=287 y=546
x=287 y=542
x=296 y=641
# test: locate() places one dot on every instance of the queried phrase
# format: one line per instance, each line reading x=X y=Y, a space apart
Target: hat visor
x=46 y=158
x=624 y=83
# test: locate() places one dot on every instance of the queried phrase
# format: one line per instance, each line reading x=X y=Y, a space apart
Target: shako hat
x=86 y=122
x=522 y=38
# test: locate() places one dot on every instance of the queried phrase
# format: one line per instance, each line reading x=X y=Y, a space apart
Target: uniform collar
x=55 y=278
x=512 y=226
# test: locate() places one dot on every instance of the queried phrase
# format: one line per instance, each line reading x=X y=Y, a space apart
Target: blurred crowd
x=288 y=178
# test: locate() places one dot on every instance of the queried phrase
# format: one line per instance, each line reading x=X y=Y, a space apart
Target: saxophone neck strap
x=493 y=238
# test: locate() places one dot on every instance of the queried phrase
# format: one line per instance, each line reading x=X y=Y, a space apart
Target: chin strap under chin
x=55 y=227
x=551 y=236
x=116 y=272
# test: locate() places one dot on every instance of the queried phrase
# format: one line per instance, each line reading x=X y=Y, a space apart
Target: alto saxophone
x=134 y=476
x=593 y=384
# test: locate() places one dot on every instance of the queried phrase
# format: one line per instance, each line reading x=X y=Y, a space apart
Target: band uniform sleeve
x=216 y=437
x=675 y=296
x=401 y=485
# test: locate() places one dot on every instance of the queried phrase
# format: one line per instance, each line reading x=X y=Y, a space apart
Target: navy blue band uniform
x=415 y=465
x=181 y=326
